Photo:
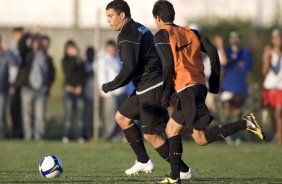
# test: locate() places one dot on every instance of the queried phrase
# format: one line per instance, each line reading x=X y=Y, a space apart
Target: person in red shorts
x=272 y=86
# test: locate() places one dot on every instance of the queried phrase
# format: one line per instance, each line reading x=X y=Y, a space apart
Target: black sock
x=134 y=138
x=219 y=132
x=175 y=152
x=163 y=151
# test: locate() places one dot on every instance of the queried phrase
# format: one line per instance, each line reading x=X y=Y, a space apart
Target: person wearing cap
x=272 y=85
x=234 y=88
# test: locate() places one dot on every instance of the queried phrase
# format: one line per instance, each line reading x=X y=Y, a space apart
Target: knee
x=122 y=121
x=200 y=141
x=155 y=140
x=170 y=132
x=118 y=117
x=150 y=138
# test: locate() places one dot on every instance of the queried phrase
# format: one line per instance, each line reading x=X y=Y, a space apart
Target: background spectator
x=5 y=60
x=109 y=57
x=14 y=92
x=73 y=68
x=34 y=79
x=234 y=86
x=272 y=85
x=89 y=93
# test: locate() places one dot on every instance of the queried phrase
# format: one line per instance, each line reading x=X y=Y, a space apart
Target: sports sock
x=219 y=132
x=135 y=139
x=163 y=151
x=175 y=152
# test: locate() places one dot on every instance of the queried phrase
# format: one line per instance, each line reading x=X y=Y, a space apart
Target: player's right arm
x=129 y=54
x=163 y=48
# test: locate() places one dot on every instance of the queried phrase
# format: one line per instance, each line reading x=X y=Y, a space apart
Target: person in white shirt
x=272 y=85
x=108 y=67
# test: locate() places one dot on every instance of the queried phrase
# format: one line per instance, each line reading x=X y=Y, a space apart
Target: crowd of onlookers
x=27 y=73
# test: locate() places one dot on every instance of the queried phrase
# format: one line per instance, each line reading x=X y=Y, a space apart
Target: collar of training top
x=127 y=24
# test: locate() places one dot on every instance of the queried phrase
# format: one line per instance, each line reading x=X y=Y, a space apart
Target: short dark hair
x=119 y=6
x=111 y=43
x=17 y=29
x=164 y=9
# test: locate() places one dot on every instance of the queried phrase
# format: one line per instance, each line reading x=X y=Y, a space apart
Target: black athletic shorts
x=147 y=108
x=191 y=109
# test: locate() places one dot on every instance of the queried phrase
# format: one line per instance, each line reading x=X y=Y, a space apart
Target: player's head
x=163 y=12
x=276 y=38
x=117 y=12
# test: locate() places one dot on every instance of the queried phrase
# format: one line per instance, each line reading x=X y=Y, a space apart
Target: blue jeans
x=74 y=107
x=3 y=124
x=34 y=103
x=88 y=118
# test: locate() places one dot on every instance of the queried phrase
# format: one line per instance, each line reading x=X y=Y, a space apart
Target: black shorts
x=147 y=108
x=191 y=109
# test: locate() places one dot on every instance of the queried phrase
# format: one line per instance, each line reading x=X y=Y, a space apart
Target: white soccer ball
x=51 y=167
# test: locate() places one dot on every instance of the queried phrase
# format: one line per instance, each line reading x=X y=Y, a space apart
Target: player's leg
x=161 y=145
x=175 y=147
x=154 y=119
x=133 y=136
x=219 y=132
x=124 y=117
x=175 y=151
x=183 y=115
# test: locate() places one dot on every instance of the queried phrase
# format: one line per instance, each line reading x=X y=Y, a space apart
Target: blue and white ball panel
x=51 y=167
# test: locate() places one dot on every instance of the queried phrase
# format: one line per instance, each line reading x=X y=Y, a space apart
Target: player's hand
x=105 y=88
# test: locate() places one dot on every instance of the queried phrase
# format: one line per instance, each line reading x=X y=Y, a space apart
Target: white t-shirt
x=273 y=79
x=107 y=69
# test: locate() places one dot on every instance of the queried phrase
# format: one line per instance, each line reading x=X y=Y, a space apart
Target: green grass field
x=105 y=162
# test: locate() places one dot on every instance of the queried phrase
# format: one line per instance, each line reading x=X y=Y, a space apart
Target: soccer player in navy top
x=141 y=66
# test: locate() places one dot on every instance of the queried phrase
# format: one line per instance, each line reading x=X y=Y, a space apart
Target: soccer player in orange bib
x=183 y=72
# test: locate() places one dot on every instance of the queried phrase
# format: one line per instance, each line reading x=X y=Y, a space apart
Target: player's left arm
x=211 y=51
